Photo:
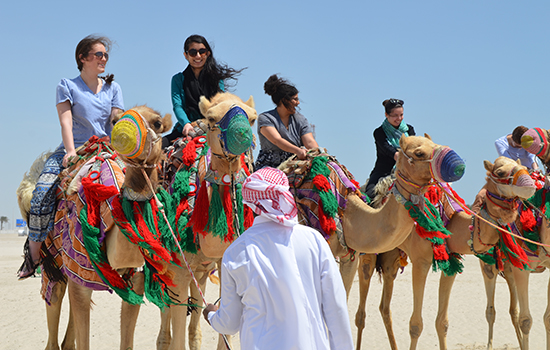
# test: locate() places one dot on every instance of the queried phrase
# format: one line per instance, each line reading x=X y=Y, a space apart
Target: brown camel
x=366 y=229
x=224 y=168
x=79 y=295
x=462 y=241
x=517 y=279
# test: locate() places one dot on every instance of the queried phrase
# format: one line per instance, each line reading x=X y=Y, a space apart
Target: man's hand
x=207 y=309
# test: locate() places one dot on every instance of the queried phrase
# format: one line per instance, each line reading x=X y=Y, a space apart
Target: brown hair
x=85 y=45
x=518 y=133
x=281 y=91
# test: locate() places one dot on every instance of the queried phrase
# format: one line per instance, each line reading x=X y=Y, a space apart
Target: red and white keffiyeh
x=267 y=193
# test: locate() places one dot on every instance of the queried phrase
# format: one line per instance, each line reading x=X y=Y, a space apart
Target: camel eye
x=419 y=154
x=211 y=120
x=499 y=173
x=157 y=124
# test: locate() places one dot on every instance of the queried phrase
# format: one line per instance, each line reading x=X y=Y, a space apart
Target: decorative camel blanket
x=320 y=186
x=65 y=244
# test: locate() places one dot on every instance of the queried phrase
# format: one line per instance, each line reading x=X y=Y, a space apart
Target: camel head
x=137 y=135
x=421 y=161
x=535 y=141
x=230 y=122
x=509 y=179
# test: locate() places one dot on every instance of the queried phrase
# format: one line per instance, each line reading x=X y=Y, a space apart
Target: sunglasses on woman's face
x=100 y=55
x=194 y=52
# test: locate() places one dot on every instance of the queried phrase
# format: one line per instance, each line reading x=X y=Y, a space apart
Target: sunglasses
x=100 y=55
x=194 y=52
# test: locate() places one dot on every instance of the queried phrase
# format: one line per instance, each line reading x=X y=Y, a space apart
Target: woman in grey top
x=282 y=131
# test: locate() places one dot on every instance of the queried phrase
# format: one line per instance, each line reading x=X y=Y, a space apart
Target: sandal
x=29 y=266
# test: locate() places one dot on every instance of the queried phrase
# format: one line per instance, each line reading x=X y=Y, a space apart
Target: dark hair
x=213 y=71
x=83 y=49
x=281 y=91
x=392 y=103
x=518 y=133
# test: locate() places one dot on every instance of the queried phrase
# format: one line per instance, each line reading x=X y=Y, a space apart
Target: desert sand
x=23 y=319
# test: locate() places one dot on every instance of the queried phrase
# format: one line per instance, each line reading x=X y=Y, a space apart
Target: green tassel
x=534 y=236
x=153 y=290
x=319 y=166
x=217 y=221
x=240 y=207
x=330 y=204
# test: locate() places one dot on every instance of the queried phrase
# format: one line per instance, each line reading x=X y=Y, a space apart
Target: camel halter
x=517 y=181
x=235 y=135
x=129 y=138
x=445 y=164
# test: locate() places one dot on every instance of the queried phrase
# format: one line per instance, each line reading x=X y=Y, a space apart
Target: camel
x=366 y=229
x=225 y=170
x=500 y=181
x=80 y=296
x=535 y=141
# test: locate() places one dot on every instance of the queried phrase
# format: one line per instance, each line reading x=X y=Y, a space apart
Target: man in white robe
x=281 y=287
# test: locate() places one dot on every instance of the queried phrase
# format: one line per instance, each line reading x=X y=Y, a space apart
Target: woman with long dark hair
x=204 y=76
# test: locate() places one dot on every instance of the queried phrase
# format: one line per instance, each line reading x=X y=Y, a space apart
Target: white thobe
x=281 y=288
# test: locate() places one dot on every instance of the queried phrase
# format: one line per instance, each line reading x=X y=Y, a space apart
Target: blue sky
x=468 y=71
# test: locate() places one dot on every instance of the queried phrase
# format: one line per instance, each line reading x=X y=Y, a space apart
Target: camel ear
x=117 y=116
x=204 y=105
x=250 y=103
x=402 y=141
x=427 y=136
x=166 y=122
x=488 y=166
x=518 y=161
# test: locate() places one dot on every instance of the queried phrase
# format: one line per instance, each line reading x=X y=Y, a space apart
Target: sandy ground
x=23 y=320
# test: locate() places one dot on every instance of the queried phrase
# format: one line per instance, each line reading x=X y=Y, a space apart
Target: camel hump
x=28 y=183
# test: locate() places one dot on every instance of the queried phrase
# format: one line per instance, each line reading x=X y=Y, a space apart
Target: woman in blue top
x=204 y=76
x=85 y=106
x=283 y=131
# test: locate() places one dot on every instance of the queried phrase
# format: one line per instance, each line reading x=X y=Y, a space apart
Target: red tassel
x=528 y=221
x=243 y=165
x=321 y=183
x=248 y=217
x=440 y=252
x=189 y=153
x=327 y=224
x=228 y=208
x=199 y=219
x=433 y=194
x=111 y=275
x=96 y=193
x=148 y=236
x=514 y=248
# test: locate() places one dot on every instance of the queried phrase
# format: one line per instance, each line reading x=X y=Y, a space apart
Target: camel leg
x=442 y=319
x=490 y=274
x=347 y=271
x=525 y=319
x=367 y=263
x=390 y=265
x=419 y=275
x=129 y=314
x=69 y=341
x=547 y=319
x=53 y=314
x=514 y=311
x=195 y=334
x=164 y=337
x=80 y=298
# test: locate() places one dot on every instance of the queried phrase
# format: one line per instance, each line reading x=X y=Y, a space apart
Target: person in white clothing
x=281 y=287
